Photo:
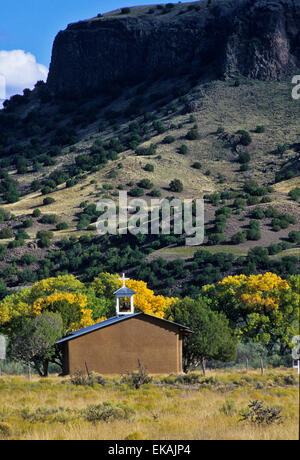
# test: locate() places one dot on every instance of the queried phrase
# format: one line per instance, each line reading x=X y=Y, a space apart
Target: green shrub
x=253 y=234
x=244 y=158
x=27 y=223
x=169 y=140
x=238 y=238
x=294 y=194
x=44 y=238
x=187 y=379
x=136 y=192
x=260 y=129
x=79 y=378
x=159 y=127
x=4 y=215
x=219 y=226
x=36 y=213
x=214 y=198
x=21 y=234
x=6 y=233
x=271 y=212
x=149 y=167
x=192 y=134
x=245 y=137
x=257 y=213
x=252 y=200
x=138 y=378
x=183 y=150
x=48 y=200
x=294 y=237
x=48 y=219
x=35 y=185
x=28 y=259
x=281 y=149
x=62 y=226
x=145 y=183
x=197 y=165
x=44 y=233
x=216 y=238
x=282 y=221
x=239 y=203
x=176 y=186
x=225 y=211
x=259 y=414
x=107 y=412
x=253 y=189
x=228 y=408
x=146 y=150
x=155 y=193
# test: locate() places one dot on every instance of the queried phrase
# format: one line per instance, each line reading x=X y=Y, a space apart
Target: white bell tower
x=122 y=306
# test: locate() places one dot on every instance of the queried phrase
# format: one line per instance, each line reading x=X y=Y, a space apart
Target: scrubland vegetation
x=169 y=407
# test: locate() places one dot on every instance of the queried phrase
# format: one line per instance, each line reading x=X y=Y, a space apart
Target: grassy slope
x=220 y=104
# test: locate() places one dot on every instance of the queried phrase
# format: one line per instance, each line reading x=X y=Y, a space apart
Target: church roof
x=124 y=292
x=117 y=319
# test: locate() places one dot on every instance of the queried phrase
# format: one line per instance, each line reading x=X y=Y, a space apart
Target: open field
x=165 y=409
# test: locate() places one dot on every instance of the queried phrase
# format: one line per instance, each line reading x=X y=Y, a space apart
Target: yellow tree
x=263 y=307
x=61 y=294
x=145 y=300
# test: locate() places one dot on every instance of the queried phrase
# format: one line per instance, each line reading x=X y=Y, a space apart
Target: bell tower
x=124 y=299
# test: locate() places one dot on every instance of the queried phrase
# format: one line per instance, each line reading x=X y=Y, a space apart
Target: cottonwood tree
x=263 y=308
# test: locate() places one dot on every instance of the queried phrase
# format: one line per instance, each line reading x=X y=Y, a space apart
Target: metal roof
x=113 y=320
x=124 y=292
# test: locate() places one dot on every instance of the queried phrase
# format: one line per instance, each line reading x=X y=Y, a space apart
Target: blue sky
x=30 y=26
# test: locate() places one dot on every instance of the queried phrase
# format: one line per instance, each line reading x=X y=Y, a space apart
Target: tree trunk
x=203 y=364
x=261 y=366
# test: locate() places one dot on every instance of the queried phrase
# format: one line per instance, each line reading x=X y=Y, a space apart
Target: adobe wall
x=117 y=348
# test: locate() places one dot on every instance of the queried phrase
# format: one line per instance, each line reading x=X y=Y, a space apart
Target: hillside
x=240 y=136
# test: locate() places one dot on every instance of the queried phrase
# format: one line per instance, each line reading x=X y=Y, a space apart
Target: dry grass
x=162 y=411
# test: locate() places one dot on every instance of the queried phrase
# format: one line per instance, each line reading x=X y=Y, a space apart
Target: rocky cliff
x=255 y=38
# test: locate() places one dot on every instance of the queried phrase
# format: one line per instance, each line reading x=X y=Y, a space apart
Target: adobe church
x=116 y=345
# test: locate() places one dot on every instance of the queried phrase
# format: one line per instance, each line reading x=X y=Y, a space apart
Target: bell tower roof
x=124 y=292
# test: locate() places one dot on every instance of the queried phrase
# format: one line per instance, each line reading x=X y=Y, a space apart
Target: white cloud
x=19 y=70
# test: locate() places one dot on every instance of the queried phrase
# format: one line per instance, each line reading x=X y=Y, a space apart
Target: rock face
x=254 y=38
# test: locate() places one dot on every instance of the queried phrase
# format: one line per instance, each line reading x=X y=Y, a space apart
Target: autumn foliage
x=263 y=307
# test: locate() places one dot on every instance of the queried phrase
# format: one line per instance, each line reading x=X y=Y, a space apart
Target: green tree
x=212 y=338
x=33 y=340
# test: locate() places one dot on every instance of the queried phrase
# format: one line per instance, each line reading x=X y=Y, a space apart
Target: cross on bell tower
x=124 y=280
x=124 y=296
